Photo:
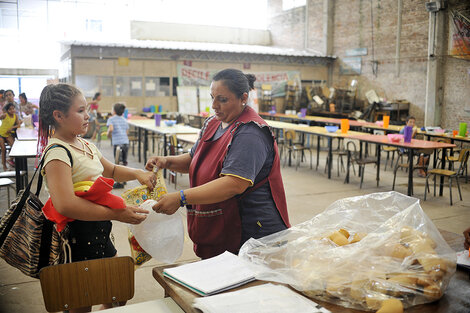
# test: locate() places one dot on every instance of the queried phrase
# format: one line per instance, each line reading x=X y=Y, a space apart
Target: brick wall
x=352 y=29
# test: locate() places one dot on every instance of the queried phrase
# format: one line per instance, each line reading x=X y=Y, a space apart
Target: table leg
x=378 y=163
x=139 y=132
x=410 y=172
x=443 y=166
x=318 y=152
x=165 y=152
x=330 y=156
x=145 y=145
x=347 y=170
x=19 y=180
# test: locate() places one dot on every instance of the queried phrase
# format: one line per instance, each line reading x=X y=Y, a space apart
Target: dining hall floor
x=308 y=192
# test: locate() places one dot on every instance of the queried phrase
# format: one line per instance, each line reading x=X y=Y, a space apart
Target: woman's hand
x=158 y=161
x=147 y=178
x=168 y=204
x=466 y=234
x=131 y=215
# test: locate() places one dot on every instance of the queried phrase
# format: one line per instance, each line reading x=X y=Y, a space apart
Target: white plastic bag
x=401 y=253
x=160 y=235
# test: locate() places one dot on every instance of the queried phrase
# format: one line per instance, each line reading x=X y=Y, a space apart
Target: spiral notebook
x=214 y=275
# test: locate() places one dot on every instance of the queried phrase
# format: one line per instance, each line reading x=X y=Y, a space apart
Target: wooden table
x=147 y=125
x=21 y=151
x=317 y=131
x=415 y=144
x=456 y=299
x=189 y=138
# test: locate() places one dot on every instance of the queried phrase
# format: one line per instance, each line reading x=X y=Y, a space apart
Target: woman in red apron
x=236 y=190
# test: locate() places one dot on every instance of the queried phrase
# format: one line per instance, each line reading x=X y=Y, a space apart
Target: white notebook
x=214 y=275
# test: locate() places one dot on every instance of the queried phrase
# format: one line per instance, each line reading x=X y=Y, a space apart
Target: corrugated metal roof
x=199 y=46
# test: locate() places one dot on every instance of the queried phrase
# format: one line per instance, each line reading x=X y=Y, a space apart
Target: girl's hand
x=131 y=215
x=466 y=234
x=168 y=204
x=158 y=161
x=147 y=178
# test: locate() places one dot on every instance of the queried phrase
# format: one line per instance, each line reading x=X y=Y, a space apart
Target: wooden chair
x=87 y=283
x=294 y=147
x=351 y=147
x=463 y=159
x=406 y=166
x=340 y=152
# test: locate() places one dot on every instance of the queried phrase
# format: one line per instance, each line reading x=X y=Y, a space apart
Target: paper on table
x=463 y=258
x=264 y=298
x=210 y=276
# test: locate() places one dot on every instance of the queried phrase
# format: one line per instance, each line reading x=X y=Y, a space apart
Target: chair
x=351 y=147
x=294 y=147
x=340 y=152
x=87 y=283
x=12 y=174
x=404 y=166
x=174 y=149
x=463 y=159
x=8 y=183
x=389 y=150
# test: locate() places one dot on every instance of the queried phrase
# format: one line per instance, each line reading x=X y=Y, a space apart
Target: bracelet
x=183 y=201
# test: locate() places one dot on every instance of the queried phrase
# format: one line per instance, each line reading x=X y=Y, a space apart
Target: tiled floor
x=308 y=191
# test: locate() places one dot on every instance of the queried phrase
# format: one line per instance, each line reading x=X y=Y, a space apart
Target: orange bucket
x=344 y=125
x=386 y=120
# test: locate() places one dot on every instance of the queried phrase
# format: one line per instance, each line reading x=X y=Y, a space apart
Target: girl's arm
x=110 y=129
x=123 y=173
x=177 y=163
x=59 y=181
x=220 y=189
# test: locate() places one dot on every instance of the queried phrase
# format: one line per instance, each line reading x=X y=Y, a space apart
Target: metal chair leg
x=426 y=187
x=458 y=186
x=450 y=189
x=362 y=176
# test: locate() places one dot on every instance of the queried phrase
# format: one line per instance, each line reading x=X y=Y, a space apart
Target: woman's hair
x=53 y=97
x=8 y=106
x=23 y=95
x=236 y=81
x=96 y=95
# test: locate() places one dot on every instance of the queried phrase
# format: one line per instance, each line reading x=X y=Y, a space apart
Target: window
x=291 y=4
x=157 y=86
x=175 y=84
x=92 y=84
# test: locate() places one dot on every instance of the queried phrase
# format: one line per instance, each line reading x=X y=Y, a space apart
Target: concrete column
x=434 y=78
x=328 y=25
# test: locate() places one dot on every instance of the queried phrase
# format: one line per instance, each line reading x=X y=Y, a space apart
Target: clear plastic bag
x=160 y=235
x=359 y=252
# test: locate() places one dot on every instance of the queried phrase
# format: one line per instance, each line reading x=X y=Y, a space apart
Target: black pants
x=124 y=150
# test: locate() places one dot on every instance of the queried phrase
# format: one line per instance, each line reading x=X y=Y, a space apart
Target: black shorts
x=90 y=240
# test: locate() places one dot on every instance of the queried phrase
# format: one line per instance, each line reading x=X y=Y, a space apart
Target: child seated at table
x=10 y=122
x=423 y=154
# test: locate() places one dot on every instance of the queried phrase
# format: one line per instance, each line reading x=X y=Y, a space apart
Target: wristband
x=183 y=201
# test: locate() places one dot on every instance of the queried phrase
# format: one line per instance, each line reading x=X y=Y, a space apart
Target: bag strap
x=25 y=195
x=40 y=178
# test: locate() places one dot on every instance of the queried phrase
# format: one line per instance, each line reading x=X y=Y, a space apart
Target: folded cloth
x=99 y=193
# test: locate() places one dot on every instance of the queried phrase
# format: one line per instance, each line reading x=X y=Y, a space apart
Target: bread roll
x=338 y=238
x=358 y=237
x=391 y=306
x=344 y=232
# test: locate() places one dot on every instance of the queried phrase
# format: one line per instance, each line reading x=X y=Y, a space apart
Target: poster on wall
x=187 y=99
x=205 y=100
x=459 y=41
x=351 y=66
x=190 y=76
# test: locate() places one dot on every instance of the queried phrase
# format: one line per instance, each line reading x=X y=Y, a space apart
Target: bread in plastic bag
x=392 y=250
x=137 y=196
x=160 y=235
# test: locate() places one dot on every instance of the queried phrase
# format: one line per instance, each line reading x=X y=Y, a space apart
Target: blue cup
x=408 y=132
x=160 y=108
x=158 y=120
x=126 y=112
x=152 y=108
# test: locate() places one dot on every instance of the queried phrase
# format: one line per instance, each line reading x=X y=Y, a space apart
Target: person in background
x=423 y=159
x=236 y=190
x=63 y=118
x=2 y=99
x=117 y=128
x=93 y=107
x=10 y=122
x=26 y=107
x=10 y=98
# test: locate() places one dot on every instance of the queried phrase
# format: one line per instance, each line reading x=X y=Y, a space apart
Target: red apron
x=216 y=227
